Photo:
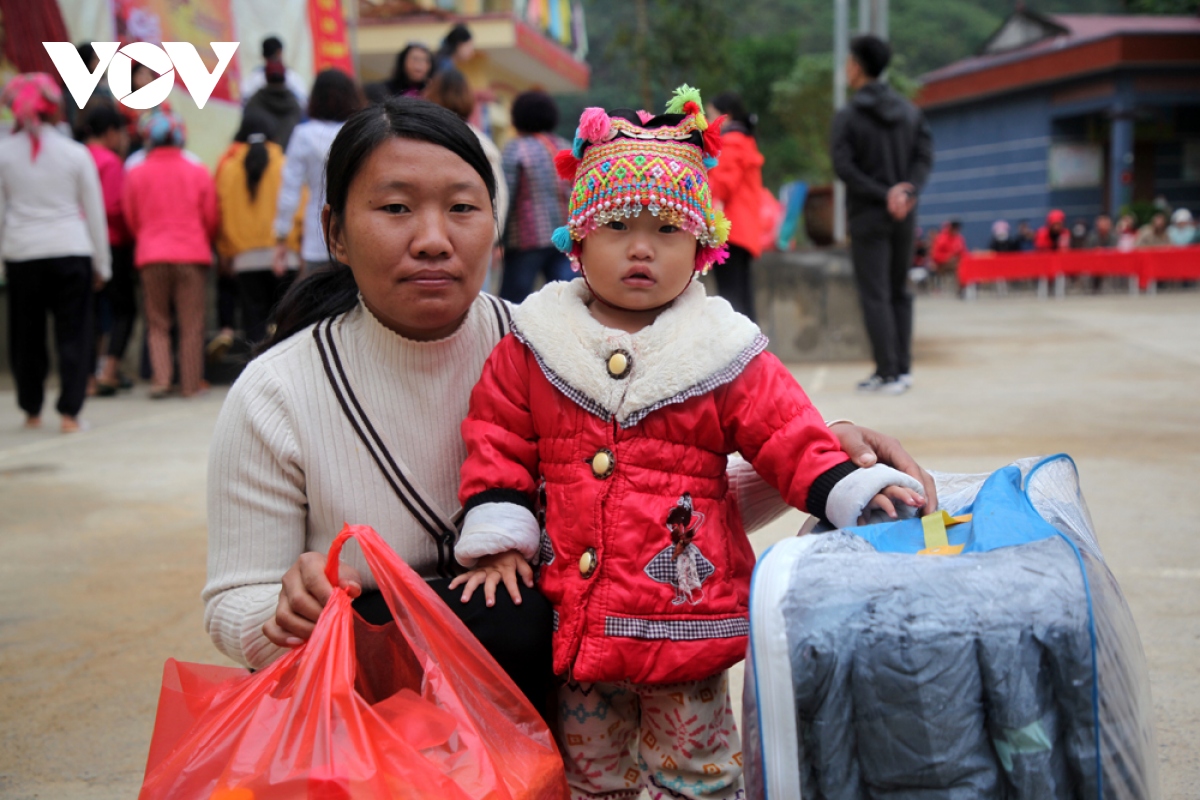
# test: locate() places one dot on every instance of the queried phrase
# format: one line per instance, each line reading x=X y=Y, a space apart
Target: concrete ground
x=102 y=534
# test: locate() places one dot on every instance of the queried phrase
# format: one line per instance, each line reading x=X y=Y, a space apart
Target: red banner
x=331 y=46
x=1148 y=266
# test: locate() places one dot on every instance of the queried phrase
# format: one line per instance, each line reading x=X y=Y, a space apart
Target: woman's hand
x=280 y=260
x=305 y=592
x=886 y=502
x=489 y=571
x=867 y=447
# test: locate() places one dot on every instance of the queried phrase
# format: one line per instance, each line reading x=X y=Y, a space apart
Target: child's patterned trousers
x=675 y=740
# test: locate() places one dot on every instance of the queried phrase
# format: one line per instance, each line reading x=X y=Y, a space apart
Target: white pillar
x=841 y=49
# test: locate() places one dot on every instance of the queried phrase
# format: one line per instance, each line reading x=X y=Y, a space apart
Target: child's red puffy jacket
x=630 y=458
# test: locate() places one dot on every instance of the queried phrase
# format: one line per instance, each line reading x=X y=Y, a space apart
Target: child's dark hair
x=731 y=103
x=331 y=290
x=257 y=129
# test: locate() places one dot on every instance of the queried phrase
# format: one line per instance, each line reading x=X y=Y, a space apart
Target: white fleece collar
x=696 y=345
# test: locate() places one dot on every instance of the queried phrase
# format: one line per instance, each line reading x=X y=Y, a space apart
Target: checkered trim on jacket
x=574 y=395
x=714 y=381
x=679 y=630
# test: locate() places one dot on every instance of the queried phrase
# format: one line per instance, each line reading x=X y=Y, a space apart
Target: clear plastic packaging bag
x=413 y=709
x=1006 y=665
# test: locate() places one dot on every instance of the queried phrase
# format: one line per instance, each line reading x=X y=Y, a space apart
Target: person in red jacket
x=171 y=207
x=1054 y=235
x=622 y=394
x=736 y=184
x=949 y=247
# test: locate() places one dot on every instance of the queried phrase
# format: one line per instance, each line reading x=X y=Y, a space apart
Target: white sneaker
x=897 y=386
x=871 y=384
x=906 y=379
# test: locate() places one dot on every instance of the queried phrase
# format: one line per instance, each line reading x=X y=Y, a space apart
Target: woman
x=335 y=96
x=171 y=209
x=367 y=378
x=449 y=89
x=413 y=65
x=737 y=187
x=105 y=138
x=54 y=242
x=539 y=198
x=248 y=179
x=457 y=48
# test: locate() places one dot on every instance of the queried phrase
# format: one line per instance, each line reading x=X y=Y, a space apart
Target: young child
x=625 y=392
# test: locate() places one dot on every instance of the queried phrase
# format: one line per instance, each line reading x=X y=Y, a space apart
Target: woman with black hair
x=456 y=49
x=335 y=97
x=353 y=410
x=737 y=186
x=414 y=64
x=539 y=198
x=103 y=130
x=249 y=175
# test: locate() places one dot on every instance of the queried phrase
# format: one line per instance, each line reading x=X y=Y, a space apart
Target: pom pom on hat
x=580 y=143
x=682 y=96
x=710 y=162
x=712 y=136
x=708 y=257
x=595 y=125
x=721 y=223
x=645 y=116
x=566 y=163
x=561 y=238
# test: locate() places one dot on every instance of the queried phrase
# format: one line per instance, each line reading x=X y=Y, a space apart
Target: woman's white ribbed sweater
x=286 y=468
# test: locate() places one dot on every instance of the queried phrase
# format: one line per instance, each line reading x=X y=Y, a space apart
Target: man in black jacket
x=883 y=151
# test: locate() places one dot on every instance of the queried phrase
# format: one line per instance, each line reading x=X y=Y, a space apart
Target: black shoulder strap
x=503 y=315
x=442 y=536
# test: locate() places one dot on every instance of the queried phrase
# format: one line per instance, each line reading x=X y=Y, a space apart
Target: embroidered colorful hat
x=626 y=161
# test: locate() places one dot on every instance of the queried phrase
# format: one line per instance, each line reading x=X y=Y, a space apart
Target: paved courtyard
x=102 y=534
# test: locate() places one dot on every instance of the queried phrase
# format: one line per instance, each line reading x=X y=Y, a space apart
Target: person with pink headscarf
x=54 y=243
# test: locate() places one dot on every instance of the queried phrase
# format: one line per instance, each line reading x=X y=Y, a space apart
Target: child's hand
x=885 y=501
x=489 y=571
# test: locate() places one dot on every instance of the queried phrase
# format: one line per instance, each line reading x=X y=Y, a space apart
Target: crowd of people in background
x=936 y=255
x=156 y=224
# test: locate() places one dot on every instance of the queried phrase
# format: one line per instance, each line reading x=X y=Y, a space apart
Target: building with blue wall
x=1084 y=113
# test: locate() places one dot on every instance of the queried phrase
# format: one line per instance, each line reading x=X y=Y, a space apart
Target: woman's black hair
x=257 y=129
x=457 y=35
x=335 y=96
x=101 y=118
x=731 y=103
x=400 y=83
x=331 y=290
x=534 y=112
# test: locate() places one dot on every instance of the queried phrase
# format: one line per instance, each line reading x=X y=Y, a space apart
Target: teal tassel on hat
x=709 y=162
x=561 y=238
x=580 y=143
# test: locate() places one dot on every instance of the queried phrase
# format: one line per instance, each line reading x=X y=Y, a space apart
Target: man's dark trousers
x=881 y=249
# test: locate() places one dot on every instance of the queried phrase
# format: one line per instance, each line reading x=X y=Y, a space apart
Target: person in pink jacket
x=171 y=207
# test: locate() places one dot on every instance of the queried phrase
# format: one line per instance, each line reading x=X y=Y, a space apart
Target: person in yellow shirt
x=249 y=175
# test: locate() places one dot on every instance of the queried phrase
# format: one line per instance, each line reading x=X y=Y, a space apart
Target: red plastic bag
x=439 y=720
